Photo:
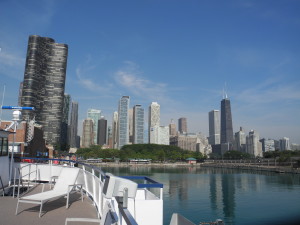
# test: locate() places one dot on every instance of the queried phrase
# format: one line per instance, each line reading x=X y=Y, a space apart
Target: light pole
x=17 y=118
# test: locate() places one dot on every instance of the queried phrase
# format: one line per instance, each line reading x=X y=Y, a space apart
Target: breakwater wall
x=242 y=166
x=112 y=164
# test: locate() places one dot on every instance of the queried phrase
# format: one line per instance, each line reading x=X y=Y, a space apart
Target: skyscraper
x=284 y=144
x=72 y=133
x=95 y=115
x=226 y=122
x=44 y=84
x=138 y=124
x=267 y=145
x=154 y=119
x=115 y=130
x=65 y=119
x=130 y=124
x=123 y=122
x=87 y=133
x=253 y=145
x=214 y=127
x=102 y=131
x=160 y=135
x=240 y=140
x=20 y=94
x=182 y=125
x=172 y=129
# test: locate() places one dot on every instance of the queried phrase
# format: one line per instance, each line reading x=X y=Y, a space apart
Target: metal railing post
x=94 y=184
x=14 y=188
x=125 y=198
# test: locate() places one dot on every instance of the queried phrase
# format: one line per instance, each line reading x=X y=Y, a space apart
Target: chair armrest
x=74 y=185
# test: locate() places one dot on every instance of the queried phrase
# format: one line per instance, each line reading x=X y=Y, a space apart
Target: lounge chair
x=109 y=217
x=64 y=185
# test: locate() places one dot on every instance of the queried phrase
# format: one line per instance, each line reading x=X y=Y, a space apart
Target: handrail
x=21 y=178
x=66 y=160
x=122 y=205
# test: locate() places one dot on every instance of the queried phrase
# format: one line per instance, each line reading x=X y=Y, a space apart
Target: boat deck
x=54 y=211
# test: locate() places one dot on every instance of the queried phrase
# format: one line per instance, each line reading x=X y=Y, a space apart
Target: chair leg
x=81 y=194
x=17 y=208
x=67 y=206
x=41 y=209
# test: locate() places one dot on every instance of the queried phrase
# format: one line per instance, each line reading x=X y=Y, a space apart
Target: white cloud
x=267 y=94
x=11 y=60
x=132 y=80
x=88 y=83
x=11 y=65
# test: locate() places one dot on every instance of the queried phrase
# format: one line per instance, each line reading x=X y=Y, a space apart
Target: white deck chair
x=109 y=217
x=63 y=186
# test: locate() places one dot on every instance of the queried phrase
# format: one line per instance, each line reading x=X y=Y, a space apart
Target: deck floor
x=54 y=211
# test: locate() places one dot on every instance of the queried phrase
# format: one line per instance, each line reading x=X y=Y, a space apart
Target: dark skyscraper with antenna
x=226 y=122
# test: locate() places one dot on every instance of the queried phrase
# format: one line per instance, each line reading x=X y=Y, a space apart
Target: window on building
x=3 y=147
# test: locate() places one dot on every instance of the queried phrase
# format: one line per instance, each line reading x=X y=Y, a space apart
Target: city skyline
x=181 y=58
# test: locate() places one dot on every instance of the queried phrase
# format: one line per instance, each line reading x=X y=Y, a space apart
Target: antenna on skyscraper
x=225 y=91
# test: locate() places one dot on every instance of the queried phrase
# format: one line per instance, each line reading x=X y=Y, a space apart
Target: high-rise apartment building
x=109 y=137
x=95 y=115
x=73 y=127
x=268 y=145
x=20 y=94
x=284 y=144
x=154 y=119
x=44 y=84
x=138 y=124
x=87 y=133
x=226 y=122
x=130 y=124
x=160 y=135
x=182 y=125
x=65 y=119
x=253 y=145
x=102 y=131
x=192 y=142
x=240 y=140
x=123 y=122
x=214 y=127
x=172 y=129
x=115 y=132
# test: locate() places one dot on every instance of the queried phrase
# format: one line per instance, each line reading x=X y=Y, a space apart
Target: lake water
x=235 y=196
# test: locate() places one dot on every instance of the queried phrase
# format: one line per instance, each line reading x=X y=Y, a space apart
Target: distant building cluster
x=128 y=127
x=222 y=139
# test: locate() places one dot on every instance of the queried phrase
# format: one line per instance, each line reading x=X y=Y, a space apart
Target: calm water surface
x=237 y=197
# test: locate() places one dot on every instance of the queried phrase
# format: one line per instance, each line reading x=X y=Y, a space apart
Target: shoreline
x=241 y=166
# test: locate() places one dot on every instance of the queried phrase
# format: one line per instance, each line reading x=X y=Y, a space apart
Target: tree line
x=154 y=152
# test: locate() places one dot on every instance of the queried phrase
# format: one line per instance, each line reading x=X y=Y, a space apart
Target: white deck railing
x=145 y=209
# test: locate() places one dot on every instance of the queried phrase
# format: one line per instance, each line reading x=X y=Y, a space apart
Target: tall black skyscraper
x=102 y=131
x=65 y=119
x=44 y=84
x=226 y=122
x=72 y=131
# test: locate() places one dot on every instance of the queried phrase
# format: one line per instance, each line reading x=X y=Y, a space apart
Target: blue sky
x=179 y=53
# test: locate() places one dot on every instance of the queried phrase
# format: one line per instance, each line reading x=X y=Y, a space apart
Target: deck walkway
x=54 y=212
